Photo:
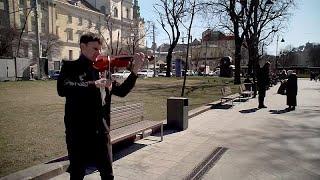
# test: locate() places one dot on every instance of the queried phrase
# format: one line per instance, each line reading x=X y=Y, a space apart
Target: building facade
x=62 y=22
x=213 y=46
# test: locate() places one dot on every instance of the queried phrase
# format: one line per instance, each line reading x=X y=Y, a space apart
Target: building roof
x=80 y=3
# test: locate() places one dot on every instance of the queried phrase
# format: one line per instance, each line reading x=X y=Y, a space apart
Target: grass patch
x=31 y=121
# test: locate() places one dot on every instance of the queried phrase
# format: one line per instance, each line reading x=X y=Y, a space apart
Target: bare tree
x=7 y=37
x=171 y=13
x=231 y=15
x=191 y=10
x=137 y=32
x=50 y=45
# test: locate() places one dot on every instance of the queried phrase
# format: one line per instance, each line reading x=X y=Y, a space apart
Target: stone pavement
x=267 y=143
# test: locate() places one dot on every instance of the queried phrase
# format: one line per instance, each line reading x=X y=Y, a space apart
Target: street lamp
x=282 y=40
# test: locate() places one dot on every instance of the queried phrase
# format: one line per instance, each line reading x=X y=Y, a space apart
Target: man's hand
x=103 y=83
x=138 y=60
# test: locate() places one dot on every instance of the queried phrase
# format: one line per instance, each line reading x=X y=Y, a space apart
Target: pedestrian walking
x=87 y=113
x=292 y=90
x=263 y=83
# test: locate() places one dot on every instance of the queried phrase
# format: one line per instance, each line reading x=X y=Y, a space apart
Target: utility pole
x=38 y=53
x=205 y=60
x=154 y=51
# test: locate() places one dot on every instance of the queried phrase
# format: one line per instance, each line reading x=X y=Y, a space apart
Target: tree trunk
x=169 y=57
x=237 y=61
x=169 y=60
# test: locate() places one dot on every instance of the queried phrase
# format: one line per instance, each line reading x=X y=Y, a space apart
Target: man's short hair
x=89 y=37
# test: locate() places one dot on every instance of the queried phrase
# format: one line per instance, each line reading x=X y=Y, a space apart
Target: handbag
x=282 y=88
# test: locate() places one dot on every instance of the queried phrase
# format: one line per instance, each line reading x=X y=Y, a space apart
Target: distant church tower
x=136 y=10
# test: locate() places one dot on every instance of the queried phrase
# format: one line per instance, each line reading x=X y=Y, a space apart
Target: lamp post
x=282 y=40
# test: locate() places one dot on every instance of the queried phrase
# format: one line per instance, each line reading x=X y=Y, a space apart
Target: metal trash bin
x=177 y=113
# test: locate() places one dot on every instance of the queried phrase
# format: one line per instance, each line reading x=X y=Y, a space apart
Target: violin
x=103 y=63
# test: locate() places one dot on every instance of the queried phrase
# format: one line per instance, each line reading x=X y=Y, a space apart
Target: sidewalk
x=238 y=143
x=260 y=144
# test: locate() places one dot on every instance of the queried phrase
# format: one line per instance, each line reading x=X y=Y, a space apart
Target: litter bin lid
x=177 y=98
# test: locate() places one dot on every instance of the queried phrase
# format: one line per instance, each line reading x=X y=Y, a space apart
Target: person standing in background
x=263 y=83
x=292 y=90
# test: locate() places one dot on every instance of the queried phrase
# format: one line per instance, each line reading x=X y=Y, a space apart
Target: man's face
x=91 y=50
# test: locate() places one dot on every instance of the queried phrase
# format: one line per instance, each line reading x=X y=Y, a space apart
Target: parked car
x=121 y=74
x=54 y=74
x=164 y=74
x=214 y=73
x=145 y=73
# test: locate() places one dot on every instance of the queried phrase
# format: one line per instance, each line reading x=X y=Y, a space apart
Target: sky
x=303 y=26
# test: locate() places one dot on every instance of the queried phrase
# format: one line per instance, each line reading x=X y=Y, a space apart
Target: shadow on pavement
x=279 y=111
x=221 y=106
x=252 y=110
x=64 y=158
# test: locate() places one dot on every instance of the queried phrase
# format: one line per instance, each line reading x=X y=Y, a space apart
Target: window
x=57 y=31
x=80 y=20
x=56 y=65
x=22 y=19
x=103 y=9
x=1 y=5
x=42 y=5
x=33 y=23
x=70 y=55
x=89 y=24
x=43 y=27
x=98 y=26
x=128 y=13
x=69 y=35
x=69 y=19
x=115 y=13
x=21 y=3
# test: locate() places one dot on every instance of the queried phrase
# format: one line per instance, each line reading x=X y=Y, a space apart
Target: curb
x=50 y=170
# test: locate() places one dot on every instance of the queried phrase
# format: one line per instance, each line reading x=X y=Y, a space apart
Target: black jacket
x=84 y=114
x=263 y=79
x=292 y=85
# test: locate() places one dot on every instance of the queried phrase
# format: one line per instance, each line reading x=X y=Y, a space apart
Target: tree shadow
x=221 y=106
x=280 y=111
x=246 y=111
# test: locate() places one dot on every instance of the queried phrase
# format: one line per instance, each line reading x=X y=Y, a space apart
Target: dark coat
x=263 y=79
x=292 y=90
x=86 y=120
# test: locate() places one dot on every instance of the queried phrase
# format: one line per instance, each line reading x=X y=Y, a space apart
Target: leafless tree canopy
x=252 y=21
x=172 y=14
x=7 y=37
x=50 y=45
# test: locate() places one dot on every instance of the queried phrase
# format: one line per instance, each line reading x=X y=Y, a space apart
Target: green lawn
x=31 y=121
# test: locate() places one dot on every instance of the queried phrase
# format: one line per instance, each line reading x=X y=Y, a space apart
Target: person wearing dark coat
x=292 y=91
x=263 y=83
x=87 y=109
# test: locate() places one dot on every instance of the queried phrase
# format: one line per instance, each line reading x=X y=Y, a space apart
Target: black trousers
x=262 y=94
x=94 y=149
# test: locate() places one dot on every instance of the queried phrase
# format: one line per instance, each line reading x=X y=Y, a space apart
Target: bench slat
x=127 y=121
x=130 y=130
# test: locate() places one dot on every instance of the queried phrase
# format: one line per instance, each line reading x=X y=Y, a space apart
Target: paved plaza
x=269 y=143
x=241 y=142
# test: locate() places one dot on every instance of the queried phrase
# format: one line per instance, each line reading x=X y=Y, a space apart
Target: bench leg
x=162 y=132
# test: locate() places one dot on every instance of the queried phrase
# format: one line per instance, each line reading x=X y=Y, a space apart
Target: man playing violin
x=87 y=114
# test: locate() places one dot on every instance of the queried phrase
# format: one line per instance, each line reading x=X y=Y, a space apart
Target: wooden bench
x=244 y=92
x=227 y=95
x=127 y=121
